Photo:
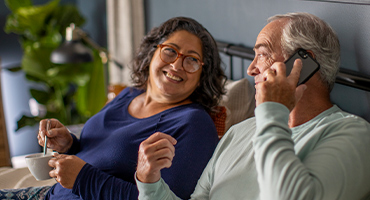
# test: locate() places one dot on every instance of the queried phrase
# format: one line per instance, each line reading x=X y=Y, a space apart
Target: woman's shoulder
x=129 y=91
x=190 y=114
x=124 y=97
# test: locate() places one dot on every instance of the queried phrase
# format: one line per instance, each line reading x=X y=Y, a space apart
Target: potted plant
x=71 y=93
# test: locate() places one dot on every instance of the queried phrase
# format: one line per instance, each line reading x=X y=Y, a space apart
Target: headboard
x=237 y=59
x=345 y=76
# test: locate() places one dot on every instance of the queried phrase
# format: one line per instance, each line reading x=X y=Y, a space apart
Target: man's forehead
x=270 y=35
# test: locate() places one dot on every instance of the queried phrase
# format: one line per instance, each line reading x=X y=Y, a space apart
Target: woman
x=178 y=79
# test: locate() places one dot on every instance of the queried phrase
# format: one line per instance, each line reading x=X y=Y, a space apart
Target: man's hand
x=279 y=88
x=155 y=153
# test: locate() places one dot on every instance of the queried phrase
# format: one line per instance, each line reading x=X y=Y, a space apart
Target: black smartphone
x=309 y=65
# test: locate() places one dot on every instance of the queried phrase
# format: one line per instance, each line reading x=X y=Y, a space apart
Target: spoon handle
x=48 y=124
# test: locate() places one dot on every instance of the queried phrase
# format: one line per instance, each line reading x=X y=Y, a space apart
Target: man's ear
x=311 y=54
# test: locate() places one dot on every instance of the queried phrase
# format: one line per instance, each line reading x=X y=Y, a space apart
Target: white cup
x=38 y=165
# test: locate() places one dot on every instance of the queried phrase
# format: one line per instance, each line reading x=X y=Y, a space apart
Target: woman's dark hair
x=212 y=79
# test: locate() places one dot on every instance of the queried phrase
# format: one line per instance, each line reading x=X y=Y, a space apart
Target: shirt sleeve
x=195 y=146
x=75 y=148
x=160 y=190
x=92 y=183
x=157 y=190
x=334 y=168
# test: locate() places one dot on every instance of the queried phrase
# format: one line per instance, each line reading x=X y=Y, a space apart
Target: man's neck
x=311 y=104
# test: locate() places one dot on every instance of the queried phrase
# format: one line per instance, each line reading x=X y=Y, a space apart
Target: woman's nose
x=177 y=65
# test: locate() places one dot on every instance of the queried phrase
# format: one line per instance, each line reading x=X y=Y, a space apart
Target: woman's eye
x=192 y=59
x=169 y=51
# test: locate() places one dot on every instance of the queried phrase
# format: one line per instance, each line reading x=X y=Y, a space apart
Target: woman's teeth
x=173 y=77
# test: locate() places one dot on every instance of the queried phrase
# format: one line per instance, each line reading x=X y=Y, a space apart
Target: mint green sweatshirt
x=327 y=157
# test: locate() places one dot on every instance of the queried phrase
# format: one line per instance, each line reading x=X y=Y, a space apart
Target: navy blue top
x=110 y=141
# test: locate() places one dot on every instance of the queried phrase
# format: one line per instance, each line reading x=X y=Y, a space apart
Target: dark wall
x=94 y=12
x=15 y=87
x=239 y=22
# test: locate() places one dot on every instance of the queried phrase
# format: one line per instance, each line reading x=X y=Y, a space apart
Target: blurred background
x=119 y=25
x=14 y=85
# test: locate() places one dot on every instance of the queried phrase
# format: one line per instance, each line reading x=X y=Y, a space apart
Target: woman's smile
x=172 y=77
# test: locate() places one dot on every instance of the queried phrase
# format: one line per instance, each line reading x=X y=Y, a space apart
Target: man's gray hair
x=306 y=31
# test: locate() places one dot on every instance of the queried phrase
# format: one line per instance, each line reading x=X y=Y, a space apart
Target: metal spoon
x=48 y=124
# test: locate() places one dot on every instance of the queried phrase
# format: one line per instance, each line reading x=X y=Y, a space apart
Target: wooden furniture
x=4 y=148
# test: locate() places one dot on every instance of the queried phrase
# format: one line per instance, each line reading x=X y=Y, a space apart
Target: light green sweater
x=262 y=158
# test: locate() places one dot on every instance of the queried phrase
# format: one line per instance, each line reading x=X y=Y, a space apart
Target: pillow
x=236 y=105
x=219 y=118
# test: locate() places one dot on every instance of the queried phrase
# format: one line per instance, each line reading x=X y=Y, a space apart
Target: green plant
x=70 y=93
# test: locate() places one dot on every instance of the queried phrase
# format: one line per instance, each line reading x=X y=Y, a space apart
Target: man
x=298 y=146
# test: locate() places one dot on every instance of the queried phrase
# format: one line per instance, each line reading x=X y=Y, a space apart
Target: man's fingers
x=296 y=71
x=279 y=68
x=164 y=163
x=158 y=148
x=158 y=136
x=163 y=143
x=155 y=153
x=165 y=153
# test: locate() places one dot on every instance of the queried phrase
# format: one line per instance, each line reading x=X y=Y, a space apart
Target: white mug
x=38 y=165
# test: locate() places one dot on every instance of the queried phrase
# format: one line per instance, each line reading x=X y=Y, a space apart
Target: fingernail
x=49 y=133
x=174 y=141
x=299 y=61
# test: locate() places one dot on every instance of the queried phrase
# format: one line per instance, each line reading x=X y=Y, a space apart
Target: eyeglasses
x=169 y=55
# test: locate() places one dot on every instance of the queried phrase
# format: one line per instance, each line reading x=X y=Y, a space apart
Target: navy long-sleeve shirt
x=110 y=140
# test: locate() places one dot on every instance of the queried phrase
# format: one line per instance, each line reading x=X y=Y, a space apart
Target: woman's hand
x=59 y=137
x=155 y=153
x=66 y=169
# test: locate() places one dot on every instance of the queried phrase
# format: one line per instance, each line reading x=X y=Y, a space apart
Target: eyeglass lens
x=170 y=55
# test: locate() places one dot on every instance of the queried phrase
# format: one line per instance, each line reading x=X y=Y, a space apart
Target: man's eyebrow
x=257 y=46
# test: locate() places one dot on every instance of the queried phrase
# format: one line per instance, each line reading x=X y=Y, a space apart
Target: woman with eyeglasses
x=177 y=81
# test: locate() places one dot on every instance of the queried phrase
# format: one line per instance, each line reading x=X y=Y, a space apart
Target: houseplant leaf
x=70 y=93
x=65 y=15
x=92 y=97
x=14 y=5
x=27 y=121
x=40 y=96
x=29 y=20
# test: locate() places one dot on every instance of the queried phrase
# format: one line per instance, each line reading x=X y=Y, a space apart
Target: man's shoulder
x=242 y=130
x=341 y=118
x=344 y=124
x=247 y=124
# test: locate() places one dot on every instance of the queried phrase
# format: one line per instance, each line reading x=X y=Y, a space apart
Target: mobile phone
x=309 y=65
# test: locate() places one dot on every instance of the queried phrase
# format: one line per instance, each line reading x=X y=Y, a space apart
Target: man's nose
x=253 y=69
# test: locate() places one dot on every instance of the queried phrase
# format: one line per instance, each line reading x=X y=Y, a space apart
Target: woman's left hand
x=66 y=169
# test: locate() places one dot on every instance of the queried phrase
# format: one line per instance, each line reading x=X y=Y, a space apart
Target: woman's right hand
x=59 y=137
x=155 y=153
